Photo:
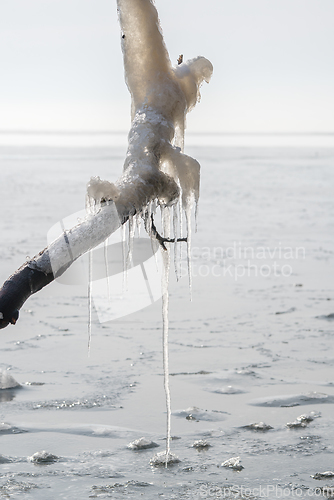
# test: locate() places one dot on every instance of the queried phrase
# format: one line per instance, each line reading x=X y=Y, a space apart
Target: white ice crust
x=71 y=244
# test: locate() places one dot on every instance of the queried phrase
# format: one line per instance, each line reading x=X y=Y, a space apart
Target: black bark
x=17 y=289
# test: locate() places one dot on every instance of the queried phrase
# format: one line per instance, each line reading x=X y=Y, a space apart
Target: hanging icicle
x=90 y=302
x=165 y=322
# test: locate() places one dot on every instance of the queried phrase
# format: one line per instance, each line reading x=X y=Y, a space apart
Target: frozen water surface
x=235 y=363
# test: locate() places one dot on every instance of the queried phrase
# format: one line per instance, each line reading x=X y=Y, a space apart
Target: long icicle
x=176 y=246
x=107 y=267
x=165 y=324
x=124 y=254
x=188 y=210
x=90 y=272
x=132 y=227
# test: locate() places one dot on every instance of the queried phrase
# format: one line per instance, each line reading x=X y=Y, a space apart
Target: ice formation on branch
x=101 y=191
x=161 y=97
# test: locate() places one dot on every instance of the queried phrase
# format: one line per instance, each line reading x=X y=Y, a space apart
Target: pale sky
x=61 y=64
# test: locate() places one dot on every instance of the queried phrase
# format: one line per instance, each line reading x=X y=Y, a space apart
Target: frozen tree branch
x=155 y=167
x=53 y=261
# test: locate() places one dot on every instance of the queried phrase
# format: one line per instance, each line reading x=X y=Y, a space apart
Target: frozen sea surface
x=254 y=346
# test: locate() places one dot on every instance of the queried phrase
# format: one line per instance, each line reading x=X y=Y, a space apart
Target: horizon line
x=122 y=132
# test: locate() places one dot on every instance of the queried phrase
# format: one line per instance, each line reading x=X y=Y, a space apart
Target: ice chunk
x=309 y=417
x=7 y=381
x=260 y=426
x=9 y=429
x=303 y=420
x=233 y=463
x=142 y=444
x=229 y=389
x=162 y=458
x=194 y=413
x=43 y=457
x=323 y=475
x=200 y=444
x=296 y=424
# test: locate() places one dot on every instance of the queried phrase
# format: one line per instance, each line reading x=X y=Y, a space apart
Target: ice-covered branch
x=155 y=167
x=33 y=275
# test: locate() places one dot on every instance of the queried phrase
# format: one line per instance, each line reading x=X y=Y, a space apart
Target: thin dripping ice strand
x=90 y=273
x=165 y=322
x=188 y=210
x=107 y=267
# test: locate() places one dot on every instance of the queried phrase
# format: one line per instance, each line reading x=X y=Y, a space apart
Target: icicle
x=107 y=267
x=188 y=210
x=132 y=228
x=124 y=254
x=165 y=303
x=176 y=246
x=196 y=215
x=148 y=218
x=90 y=209
x=90 y=272
x=150 y=212
x=138 y=218
x=181 y=219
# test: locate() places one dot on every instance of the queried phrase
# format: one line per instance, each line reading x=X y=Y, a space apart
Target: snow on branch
x=155 y=166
